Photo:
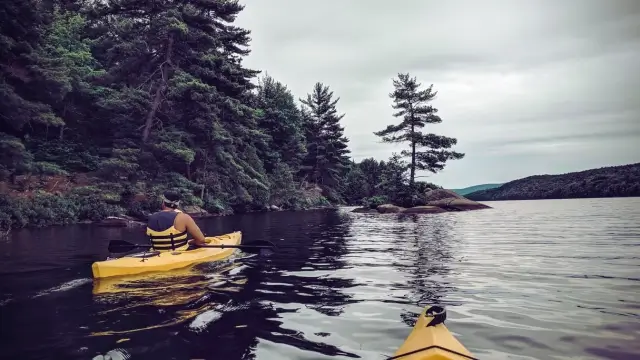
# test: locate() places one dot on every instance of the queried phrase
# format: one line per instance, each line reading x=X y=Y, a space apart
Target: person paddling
x=168 y=228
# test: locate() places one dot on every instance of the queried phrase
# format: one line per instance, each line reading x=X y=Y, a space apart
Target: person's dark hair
x=171 y=199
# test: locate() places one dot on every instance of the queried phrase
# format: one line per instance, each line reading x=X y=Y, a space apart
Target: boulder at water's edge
x=364 y=210
x=389 y=209
x=423 y=210
x=450 y=201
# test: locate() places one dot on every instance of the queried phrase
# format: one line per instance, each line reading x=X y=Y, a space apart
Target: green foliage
x=14 y=156
x=371 y=183
x=48 y=209
x=356 y=185
x=282 y=121
x=326 y=162
x=374 y=201
x=29 y=82
x=122 y=166
x=68 y=155
x=416 y=113
x=216 y=206
x=47 y=168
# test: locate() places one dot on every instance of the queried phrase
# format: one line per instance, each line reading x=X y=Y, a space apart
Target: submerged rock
x=195 y=211
x=423 y=210
x=389 y=209
x=365 y=210
x=459 y=204
x=120 y=221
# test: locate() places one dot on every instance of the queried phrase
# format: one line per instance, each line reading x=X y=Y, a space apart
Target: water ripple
x=525 y=280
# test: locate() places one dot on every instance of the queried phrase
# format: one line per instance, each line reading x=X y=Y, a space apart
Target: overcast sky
x=526 y=86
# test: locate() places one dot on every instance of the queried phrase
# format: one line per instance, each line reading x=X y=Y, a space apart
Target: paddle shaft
x=124 y=246
x=219 y=246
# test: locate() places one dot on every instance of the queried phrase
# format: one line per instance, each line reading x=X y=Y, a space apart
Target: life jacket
x=162 y=233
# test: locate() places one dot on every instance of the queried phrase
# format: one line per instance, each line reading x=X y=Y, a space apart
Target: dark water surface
x=526 y=280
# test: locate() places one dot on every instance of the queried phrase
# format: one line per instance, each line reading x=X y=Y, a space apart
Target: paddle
x=120 y=246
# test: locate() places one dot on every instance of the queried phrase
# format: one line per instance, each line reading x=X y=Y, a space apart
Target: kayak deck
x=165 y=261
x=431 y=340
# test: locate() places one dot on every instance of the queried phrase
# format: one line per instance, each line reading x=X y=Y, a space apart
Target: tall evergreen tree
x=327 y=146
x=282 y=121
x=413 y=108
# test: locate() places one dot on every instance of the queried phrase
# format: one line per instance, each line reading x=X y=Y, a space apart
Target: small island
x=435 y=201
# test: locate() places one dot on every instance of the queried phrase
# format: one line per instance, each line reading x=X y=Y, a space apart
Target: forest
x=611 y=181
x=105 y=105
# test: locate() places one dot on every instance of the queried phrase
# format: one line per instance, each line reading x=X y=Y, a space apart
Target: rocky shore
x=436 y=201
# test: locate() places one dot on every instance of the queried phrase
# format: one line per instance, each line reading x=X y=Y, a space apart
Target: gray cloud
x=527 y=87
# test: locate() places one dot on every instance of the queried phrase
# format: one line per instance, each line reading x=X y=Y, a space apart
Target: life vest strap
x=166 y=237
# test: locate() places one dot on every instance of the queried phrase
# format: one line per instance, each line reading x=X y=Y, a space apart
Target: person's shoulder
x=182 y=214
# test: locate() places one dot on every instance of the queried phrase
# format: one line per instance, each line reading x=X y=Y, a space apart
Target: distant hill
x=470 y=189
x=613 y=181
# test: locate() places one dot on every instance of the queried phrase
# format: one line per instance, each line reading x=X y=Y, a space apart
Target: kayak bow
x=431 y=340
x=165 y=261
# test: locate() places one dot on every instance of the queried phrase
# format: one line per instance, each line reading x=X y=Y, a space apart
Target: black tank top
x=162 y=220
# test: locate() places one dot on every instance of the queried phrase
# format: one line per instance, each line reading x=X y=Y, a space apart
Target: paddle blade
x=262 y=247
x=263 y=243
x=262 y=250
x=119 y=246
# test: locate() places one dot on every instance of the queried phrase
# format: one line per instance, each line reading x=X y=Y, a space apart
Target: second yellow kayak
x=431 y=340
x=165 y=261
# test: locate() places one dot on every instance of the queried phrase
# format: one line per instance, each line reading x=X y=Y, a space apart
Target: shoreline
x=129 y=222
x=107 y=204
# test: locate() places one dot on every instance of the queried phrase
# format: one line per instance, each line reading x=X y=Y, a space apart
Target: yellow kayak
x=431 y=340
x=165 y=261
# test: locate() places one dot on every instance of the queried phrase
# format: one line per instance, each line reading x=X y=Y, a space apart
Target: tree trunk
x=157 y=99
x=412 y=176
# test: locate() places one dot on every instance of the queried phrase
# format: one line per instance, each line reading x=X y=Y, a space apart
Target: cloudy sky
x=527 y=87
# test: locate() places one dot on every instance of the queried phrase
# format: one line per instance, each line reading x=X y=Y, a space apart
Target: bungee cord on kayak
x=429 y=348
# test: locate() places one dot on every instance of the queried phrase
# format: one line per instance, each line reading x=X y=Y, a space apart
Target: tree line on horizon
x=610 y=181
x=153 y=96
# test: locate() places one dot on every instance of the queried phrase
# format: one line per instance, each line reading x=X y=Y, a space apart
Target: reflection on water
x=178 y=296
x=526 y=280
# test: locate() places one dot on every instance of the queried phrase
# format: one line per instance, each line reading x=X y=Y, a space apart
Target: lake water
x=549 y=279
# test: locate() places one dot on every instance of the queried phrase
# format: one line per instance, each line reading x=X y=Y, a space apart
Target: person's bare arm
x=194 y=230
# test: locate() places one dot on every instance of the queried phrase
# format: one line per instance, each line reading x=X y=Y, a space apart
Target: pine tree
x=327 y=147
x=355 y=186
x=282 y=121
x=412 y=105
